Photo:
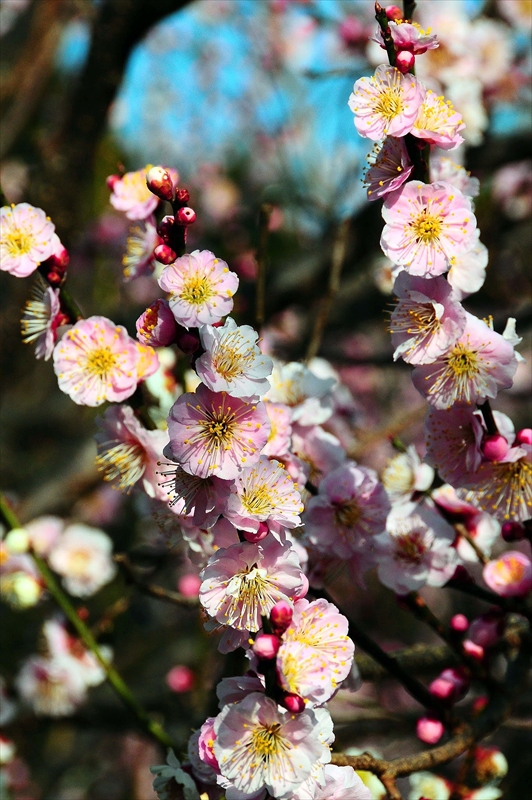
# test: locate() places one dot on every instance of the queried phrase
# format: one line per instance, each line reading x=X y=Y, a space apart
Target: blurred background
x=247 y=99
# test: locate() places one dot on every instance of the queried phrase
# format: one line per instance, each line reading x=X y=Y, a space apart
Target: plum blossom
x=481 y=527
x=280 y=418
x=232 y=361
x=416 y=549
x=319 y=450
x=510 y=575
x=131 y=195
x=52 y=686
x=140 y=244
x=468 y=271
x=410 y=36
x=405 y=474
x=212 y=433
x=127 y=452
x=83 y=557
x=20 y=583
x=307 y=394
x=341 y=783
x=242 y=582
x=427 y=319
x=429 y=786
x=63 y=647
x=349 y=509
x=264 y=492
x=259 y=746
x=156 y=326
x=445 y=169
x=427 y=226
x=453 y=438
x=96 y=361
x=476 y=367
x=389 y=168
x=438 y=122
x=41 y=318
x=202 y=499
x=44 y=532
x=386 y=104
x=27 y=238
x=504 y=489
x=201 y=288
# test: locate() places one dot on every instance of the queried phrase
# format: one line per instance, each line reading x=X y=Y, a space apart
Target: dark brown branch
x=152 y=589
x=418 y=658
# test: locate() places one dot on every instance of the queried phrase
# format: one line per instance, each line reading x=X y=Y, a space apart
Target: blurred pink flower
x=510 y=575
x=83 y=557
x=131 y=195
x=180 y=679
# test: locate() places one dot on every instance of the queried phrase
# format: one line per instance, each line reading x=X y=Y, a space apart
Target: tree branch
x=152 y=589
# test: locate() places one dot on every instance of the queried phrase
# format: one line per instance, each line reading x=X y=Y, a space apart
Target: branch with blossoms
x=243 y=472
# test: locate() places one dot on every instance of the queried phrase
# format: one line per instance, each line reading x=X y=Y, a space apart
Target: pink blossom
x=264 y=492
x=410 y=36
x=52 y=686
x=232 y=690
x=201 y=288
x=512 y=188
x=510 y=575
x=27 y=238
x=416 y=549
x=307 y=394
x=202 y=499
x=438 y=122
x=341 y=783
x=260 y=746
x=215 y=434
x=427 y=226
x=405 y=474
x=429 y=730
x=280 y=417
x=386 y=104
x=147 y=361
x=476 y=367
x=131 y=195
x=504 y=489
x=83 y=557
x=266 y=646
x=41 y=318
x=481 y=527
x=445 y=169
x=62 y=646
x=453 y=438
x=319 y=450
x=427 y=319
x=246 y=580
x=350 y=508
x=189 y=585
x=157 y=326
x=232 y=361
x=180 y=679
x=96 y=361
x=138 y=259
x=127 y=452
x=468 y=271
x=44 y=532
x=389 y=168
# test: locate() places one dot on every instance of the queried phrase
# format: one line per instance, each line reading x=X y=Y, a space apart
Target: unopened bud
x=157 y=326
x=429 y=730
x=475 y=651
x=258 y=535
x=164 y=254
x=293 y=703
x=394 y=12
x=524 y=436
x=266 y=646
x=187 y=341
x=111 y=180
x=480 y=703
x=83 y=613
x=182 y=196
x=281 y=616
x=166 y=228
x=404 y=61
x=459 y=623
x=160 y=183
x=494 y=447
x=17 y=540
x=513 y=531
x=452 y=685
x=487 y=629
x=189 y=585
x=185 y=216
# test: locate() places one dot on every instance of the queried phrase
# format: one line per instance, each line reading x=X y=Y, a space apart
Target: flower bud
x=459 y=623
x=189 y=585
x=266 y=646
x=187 y=341
x=185 y=216
x=166 y=227
x=452 y=685
x=394 y=12
x=512 y=531
x=157 y=326
x=510 y=575
x=480 y=703
x=487 y=629
x=404 y=61
x=524 y=436
x=180 y=679
x=281 y=616
x=474 y=651
x=494 y=447
x=293 y=703
x=164 y=254
x=111 y=180
x=160 y=183
x=258 y=535
x=17 y=540
x=429 y=730
x=490 y=765
x=182 y=196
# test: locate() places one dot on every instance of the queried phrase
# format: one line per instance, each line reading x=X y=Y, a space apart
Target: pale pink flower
x=127 y=452
x=246 y=580
x=468 y=271
x=62 y=646
x=410 y=36
x=350 y=508
x=405 y=474
x=20 y=582
x=41 y=318
x=510 y=575
x=280 y=418
x=264 y=492
x=131 y=195
x=386 y=104
x=96 y=361
x=308 y=395
x=341 y=783
x=52 y=686
x=445 y=169
x=438 y=122
x=416 y=549
x=201 y=755
x=27 y=238
x=504 y=489
x=140 y=244
x=389 y=168
x=202 y=499
x=320 y=451
x=83 y=557
x=427 y=226
x=512 y=188
x=476 y=367
x=453 y=437
x=212 y=433
x=204 y=542
x=201 y=288
x=427 y=319
x=157 y=326
x=260 y=746
x=44 y=532
x=232 y=361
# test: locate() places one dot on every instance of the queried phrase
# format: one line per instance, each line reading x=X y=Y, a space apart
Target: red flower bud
x=164 y=254
x=524 y=436
x=293 y=703
x=182 y=196
x=404 y=61
x=429 y=730
x=166 y=227
x=513 y=531
x=394 y=12
x=160 y=183
x=257 y=536
x=494 y=447
x=281 y=616
x=459 y=623
x=111 y=180
x=185 y=216
x=266 y=646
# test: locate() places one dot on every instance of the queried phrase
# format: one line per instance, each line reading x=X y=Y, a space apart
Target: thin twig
x=152 y=589
x=506 y=603
x=489 y=419
x=382 y=19
x=265 y=213
x=464 y=533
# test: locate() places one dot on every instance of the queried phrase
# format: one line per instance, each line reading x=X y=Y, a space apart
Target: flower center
x=266 y=741
x=462 y=362
x=18 y=243
x=125 y=462
x=427 y=227
x=197 y=289
x=230 y=358
x=136 y=185
x=347 y=514
x=510 y=570
x=77 y=562
x=258 y=500
x=101 y=361
x=389 y=103
x=250 y=593
x=410 y=547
